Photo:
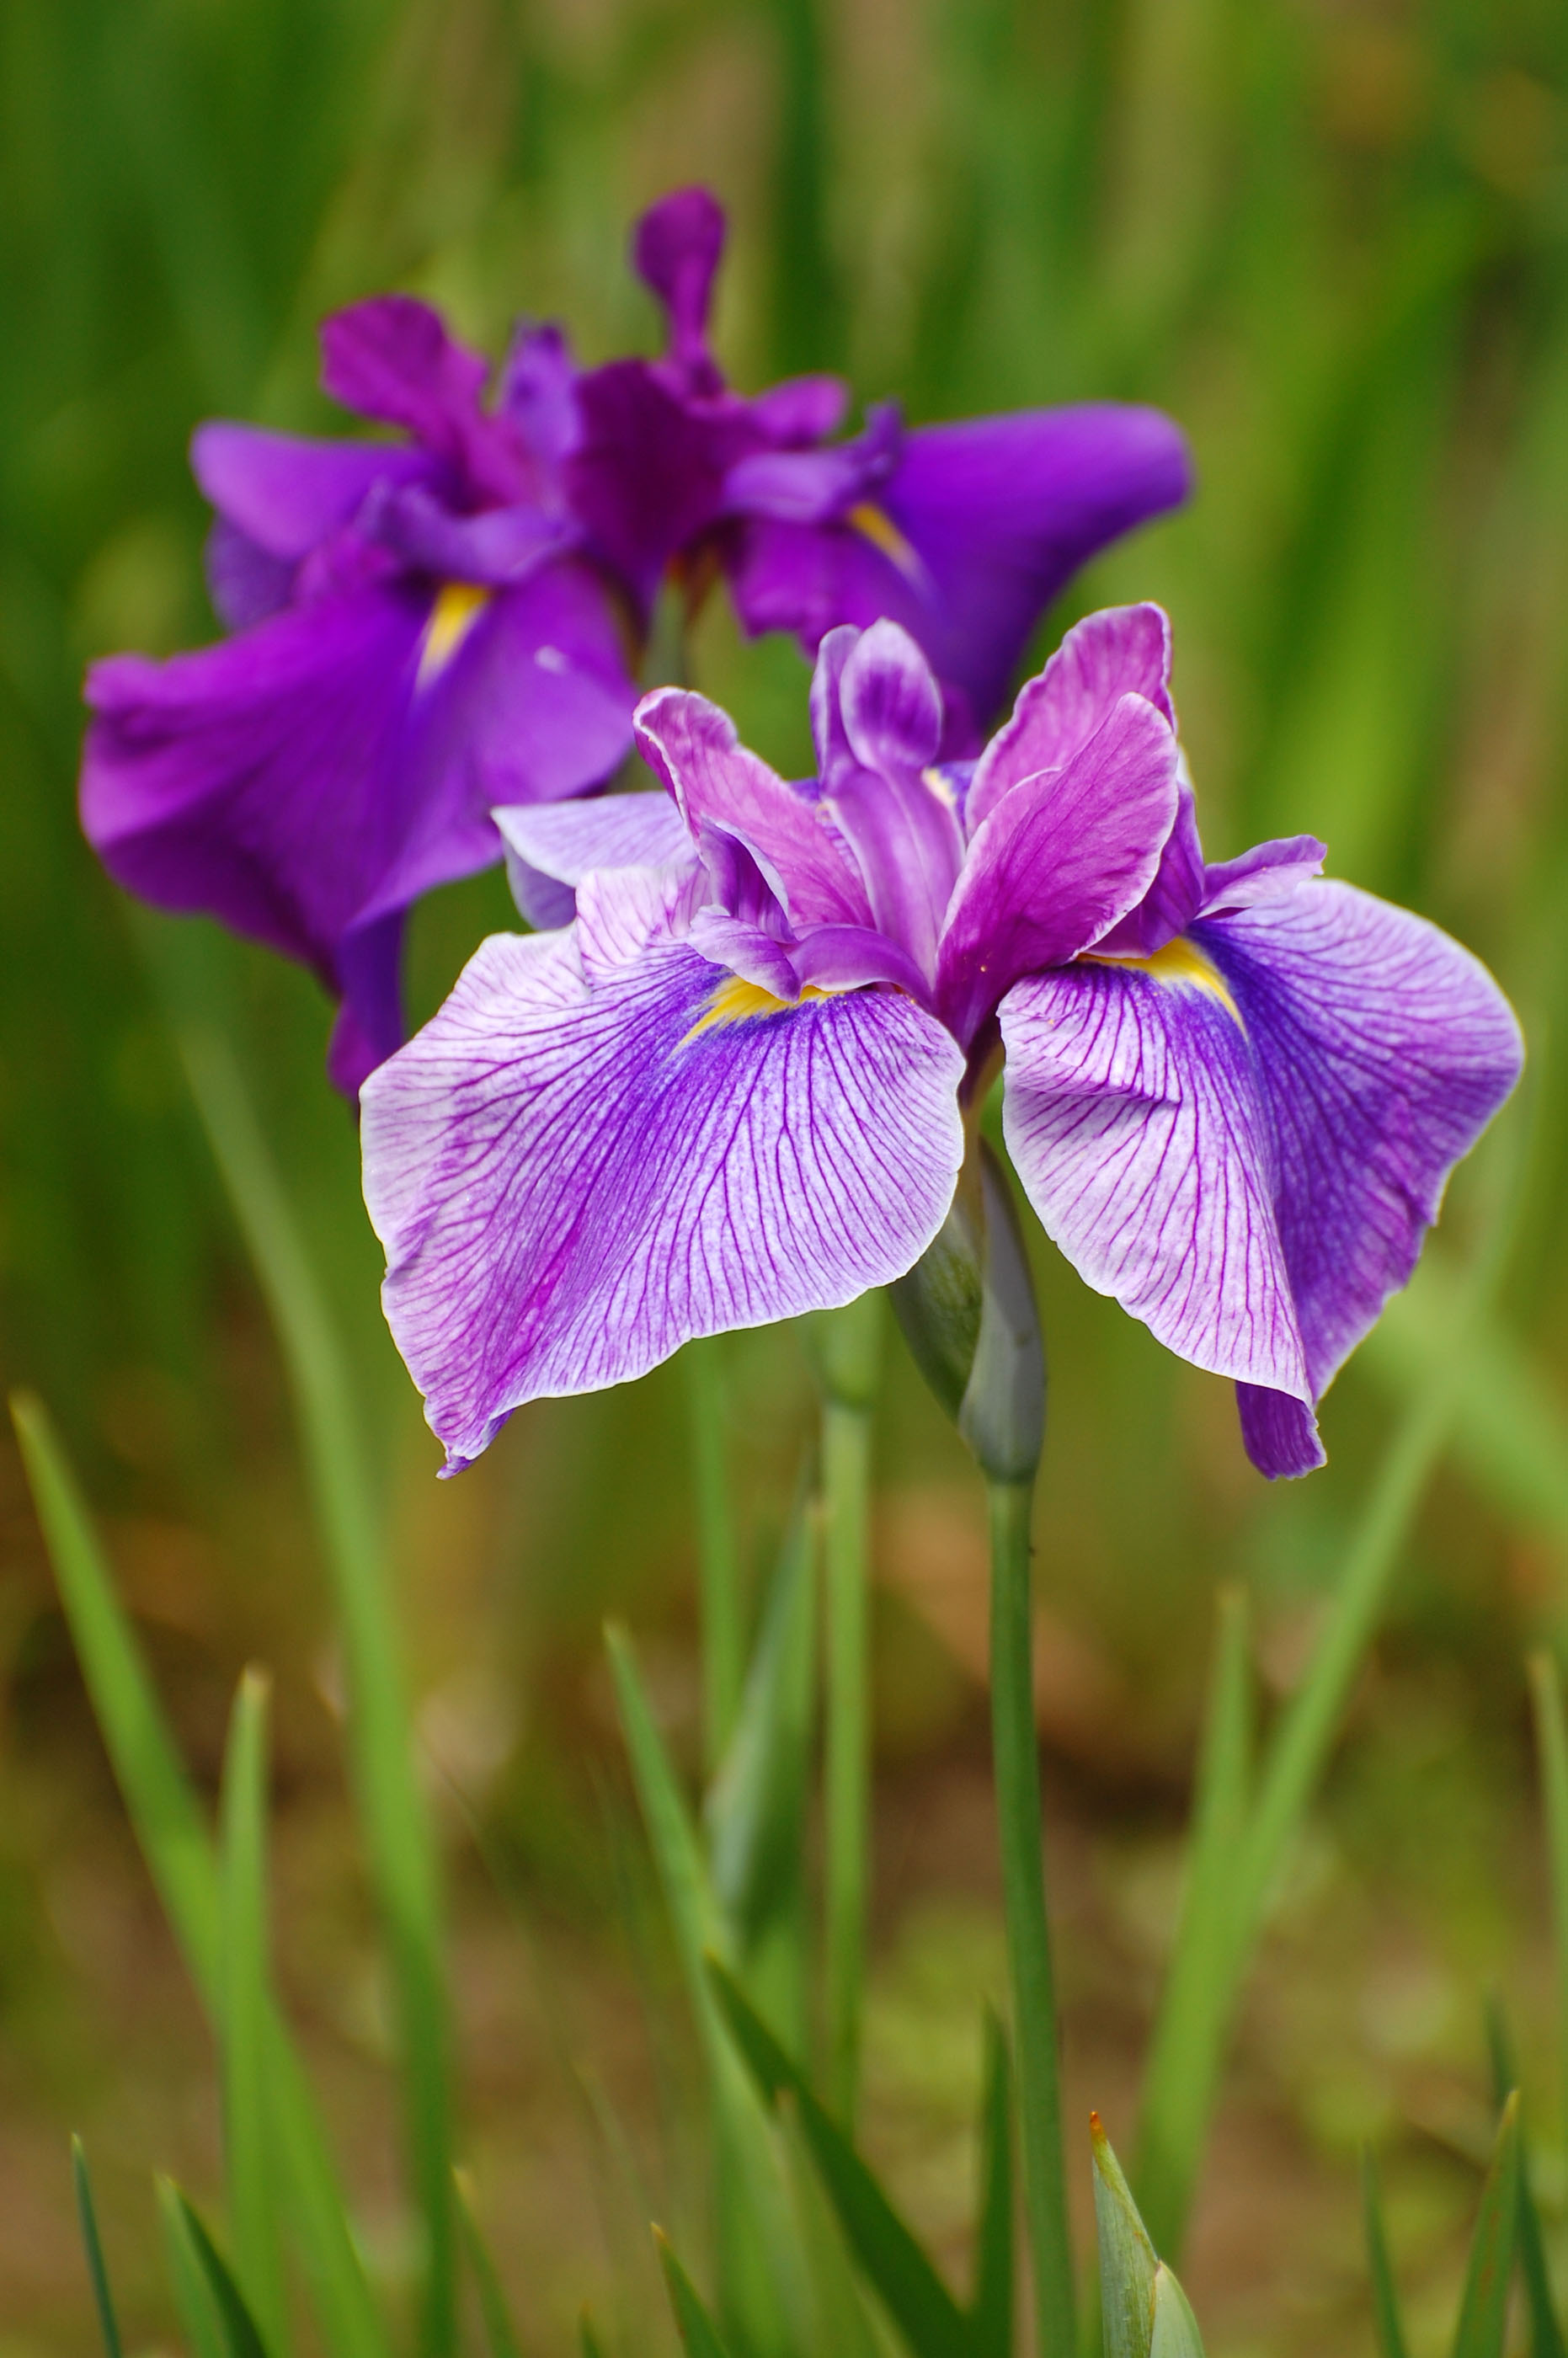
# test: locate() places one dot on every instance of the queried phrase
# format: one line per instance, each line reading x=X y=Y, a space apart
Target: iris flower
x=737 y=1085
x=425 y=629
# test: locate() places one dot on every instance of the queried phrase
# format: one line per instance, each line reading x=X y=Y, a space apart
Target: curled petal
x=392 y=358
x=1124 y=651
x=570 y=1181
x=551 y=846
x=1264 y=873
x=892 y=711
x=718 y=784
x=287 y=493
x=1059 y=862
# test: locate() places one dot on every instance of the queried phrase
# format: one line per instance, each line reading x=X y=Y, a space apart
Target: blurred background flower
x=1332 y=240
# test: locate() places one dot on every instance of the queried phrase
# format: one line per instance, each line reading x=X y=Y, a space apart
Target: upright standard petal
x=1123 y=651
x=1061 y=858
x=571 y=1179
x=718 y=785
x=975 y=530
x=392 y=358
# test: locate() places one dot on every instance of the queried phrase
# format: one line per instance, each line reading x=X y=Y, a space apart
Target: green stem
x=1017 y=1766
x=718 y=1560
x=846 y=1497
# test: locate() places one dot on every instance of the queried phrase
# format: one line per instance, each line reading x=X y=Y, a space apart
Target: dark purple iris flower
x=737 y=1085
x=419 y=635
x=962 y=533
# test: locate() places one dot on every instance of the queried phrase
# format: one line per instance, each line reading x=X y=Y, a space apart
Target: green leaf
x=1385 y=2297
x=236 y=2327
x=717 y=1554
x=908 y=2286
x=390 y=1805
x=1551 y=1746
x=1484 y=2311
x=758 y=2262
x=756 y=1806
x=1175 y=2331
x=93 y=2242
x=990 y=2310
x=248 y=2125
x=500 y=2334
x=1127 y=2263
x=193 y=2294
x=1545 y=2334
x=699 y=2335
x=588 y=2339
x=1184 y=2052
x=183 y=1864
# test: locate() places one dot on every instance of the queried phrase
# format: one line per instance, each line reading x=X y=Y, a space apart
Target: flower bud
x=968 y=1312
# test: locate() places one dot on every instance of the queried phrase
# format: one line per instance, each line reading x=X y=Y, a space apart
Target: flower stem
x=718 y=1560
x=1017 y=1768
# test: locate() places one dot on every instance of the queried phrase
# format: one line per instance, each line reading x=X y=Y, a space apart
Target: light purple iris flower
x=962 y=533
x=736 y=1085
x=419 y=635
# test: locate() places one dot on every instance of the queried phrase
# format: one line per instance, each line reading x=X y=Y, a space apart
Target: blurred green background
x=1332 y=238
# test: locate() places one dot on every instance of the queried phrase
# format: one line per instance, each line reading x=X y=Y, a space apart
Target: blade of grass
x=1484 y=2311
x=1545 y=2334
x=182 y=1862
x=92 y=2243
x=990 y=2310
x=1385 y=2297
x=392 y=1806
x=236 y=2326
x=1304 y=1734
x=913 y=2295
x=500 y=2333
x=846 y=1347
x=1128 y=2261
x=1552 y=1746
x=752 y=2234
x=699 y=2335
x=718 y=1556
x=192 y=2296
x=247 y=2108
x=1180 y=2066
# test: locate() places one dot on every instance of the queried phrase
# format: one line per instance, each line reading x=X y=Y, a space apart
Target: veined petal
x=1264 y=873
x=570 y=1181
x=1134 y=1118
x=1061 y=858
x=1122 y=651
x=1382 y=1050
x=717 y=782
x=891 y=708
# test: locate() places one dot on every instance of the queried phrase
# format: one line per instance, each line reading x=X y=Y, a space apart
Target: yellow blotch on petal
x=457 y=607
x=875 y=525
x=1181 y=962
x=736 y=1001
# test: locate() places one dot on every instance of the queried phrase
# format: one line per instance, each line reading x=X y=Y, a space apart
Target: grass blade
x=908 y=2286
x=588 y=2339
x=1484 y=2311
x=1385 y=2297
x=755 y=2253
x=699 y=2335
x=1175 y=2333
x=717 y=1555
x=192 y=2296
x=392 y=1807
x=247 y=2109
x=990 y=2310
x=1181 y=2061
x=1128 y=2263
x=182 y=1862
x=756 y=1807
x=236 y=2326
x=1545 y=2333
x=500 y=2333
x=1552 y=1746
x=93 y=2242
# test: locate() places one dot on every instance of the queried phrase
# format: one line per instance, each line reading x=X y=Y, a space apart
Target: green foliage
x=699 y=2335
x=92 y=2244
x=248 y=2127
